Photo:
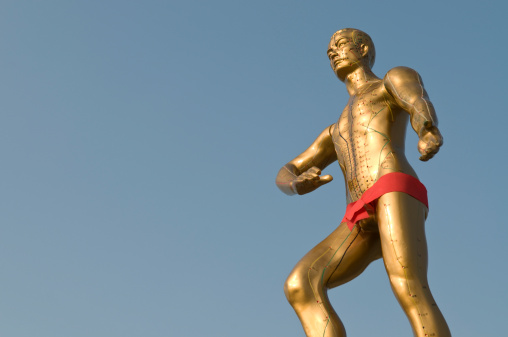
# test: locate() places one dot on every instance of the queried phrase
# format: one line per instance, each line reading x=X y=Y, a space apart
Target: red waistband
x=391 y=182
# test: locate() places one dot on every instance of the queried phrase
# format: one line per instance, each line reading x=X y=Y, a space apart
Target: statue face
x=345 y=55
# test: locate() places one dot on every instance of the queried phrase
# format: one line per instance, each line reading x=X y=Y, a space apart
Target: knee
x=407 y=288
x=399 y=285
x=295 y=288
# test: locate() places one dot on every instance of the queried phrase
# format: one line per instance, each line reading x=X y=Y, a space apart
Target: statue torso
x=369 y=139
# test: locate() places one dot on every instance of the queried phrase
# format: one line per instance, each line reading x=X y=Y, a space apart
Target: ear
x=364 y=50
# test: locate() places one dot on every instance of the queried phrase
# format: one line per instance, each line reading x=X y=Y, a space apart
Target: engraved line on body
x=361 y=157
x=351 y=153
x=403 y=100
x=404 y=268
x=354 y=168
x=423 y=98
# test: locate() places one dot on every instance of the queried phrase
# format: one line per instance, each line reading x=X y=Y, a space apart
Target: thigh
x=342 y=256
x=401 y=220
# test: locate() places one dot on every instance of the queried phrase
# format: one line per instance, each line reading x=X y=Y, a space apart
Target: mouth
x=336 y=61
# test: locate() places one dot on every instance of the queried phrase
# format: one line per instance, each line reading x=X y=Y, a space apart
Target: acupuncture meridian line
x=426 y=103
x=391 y=152
x=404 y=268
x=321 y=305
x=355 y=164
x=398 y=96
x=348 y=152
x=342 y=258
x=388 y=140
x=367 y=128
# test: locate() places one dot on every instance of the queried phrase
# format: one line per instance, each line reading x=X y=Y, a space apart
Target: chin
x=340 y=74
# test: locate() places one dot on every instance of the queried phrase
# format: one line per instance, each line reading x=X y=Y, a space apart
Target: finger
x=309 y=176
x=424 y=154
x=427 y=157
x=428 y=153
x=316 y=178
x=314 y=170
x=325 y=179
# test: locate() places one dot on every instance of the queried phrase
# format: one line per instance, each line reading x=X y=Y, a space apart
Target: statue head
x=350 y=48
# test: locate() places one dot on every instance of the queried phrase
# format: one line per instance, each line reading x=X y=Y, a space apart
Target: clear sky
x=140 y=142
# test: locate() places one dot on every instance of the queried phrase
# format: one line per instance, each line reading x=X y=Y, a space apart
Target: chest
x=364 y=111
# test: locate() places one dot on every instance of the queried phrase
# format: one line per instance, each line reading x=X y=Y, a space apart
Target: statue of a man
x=387 y=204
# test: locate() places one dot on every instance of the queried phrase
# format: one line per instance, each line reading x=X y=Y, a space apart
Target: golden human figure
x=387 y=205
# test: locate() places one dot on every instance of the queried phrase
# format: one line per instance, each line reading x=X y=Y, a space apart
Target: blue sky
x=140 y=143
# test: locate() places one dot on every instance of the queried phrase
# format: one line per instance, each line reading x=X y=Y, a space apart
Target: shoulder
x=402 y=80
x=400 y=76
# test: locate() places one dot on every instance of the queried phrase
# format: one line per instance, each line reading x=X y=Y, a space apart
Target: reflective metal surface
x=368 y=142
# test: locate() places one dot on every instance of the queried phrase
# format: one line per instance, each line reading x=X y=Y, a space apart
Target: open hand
x=430 y=141
x=309 y=180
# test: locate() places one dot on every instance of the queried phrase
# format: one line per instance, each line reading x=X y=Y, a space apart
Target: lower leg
x=319 y=319
x=418 y=303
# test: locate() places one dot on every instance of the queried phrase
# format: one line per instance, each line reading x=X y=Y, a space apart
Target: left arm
x=406 y=88
x=302 y=174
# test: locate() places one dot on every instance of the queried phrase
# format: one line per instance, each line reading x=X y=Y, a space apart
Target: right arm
x=405 y=86
x=301 y=175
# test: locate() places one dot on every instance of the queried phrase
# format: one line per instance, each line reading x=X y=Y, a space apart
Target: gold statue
x=387 y=204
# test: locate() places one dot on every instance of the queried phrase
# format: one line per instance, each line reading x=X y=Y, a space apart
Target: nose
x=331 y=52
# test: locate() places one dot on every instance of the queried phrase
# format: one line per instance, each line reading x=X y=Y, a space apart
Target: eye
x=340 y=43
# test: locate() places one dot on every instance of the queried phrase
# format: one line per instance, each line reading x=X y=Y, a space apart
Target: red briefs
x=391 y=182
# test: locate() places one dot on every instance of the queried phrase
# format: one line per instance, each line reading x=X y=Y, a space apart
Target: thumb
x=325 y=179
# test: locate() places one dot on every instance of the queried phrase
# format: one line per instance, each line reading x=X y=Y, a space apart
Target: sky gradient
x=140 y=144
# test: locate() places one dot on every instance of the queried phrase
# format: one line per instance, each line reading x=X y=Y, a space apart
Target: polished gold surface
x=368 y=142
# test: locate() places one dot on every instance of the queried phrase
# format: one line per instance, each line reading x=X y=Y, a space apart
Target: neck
x=358 y=78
